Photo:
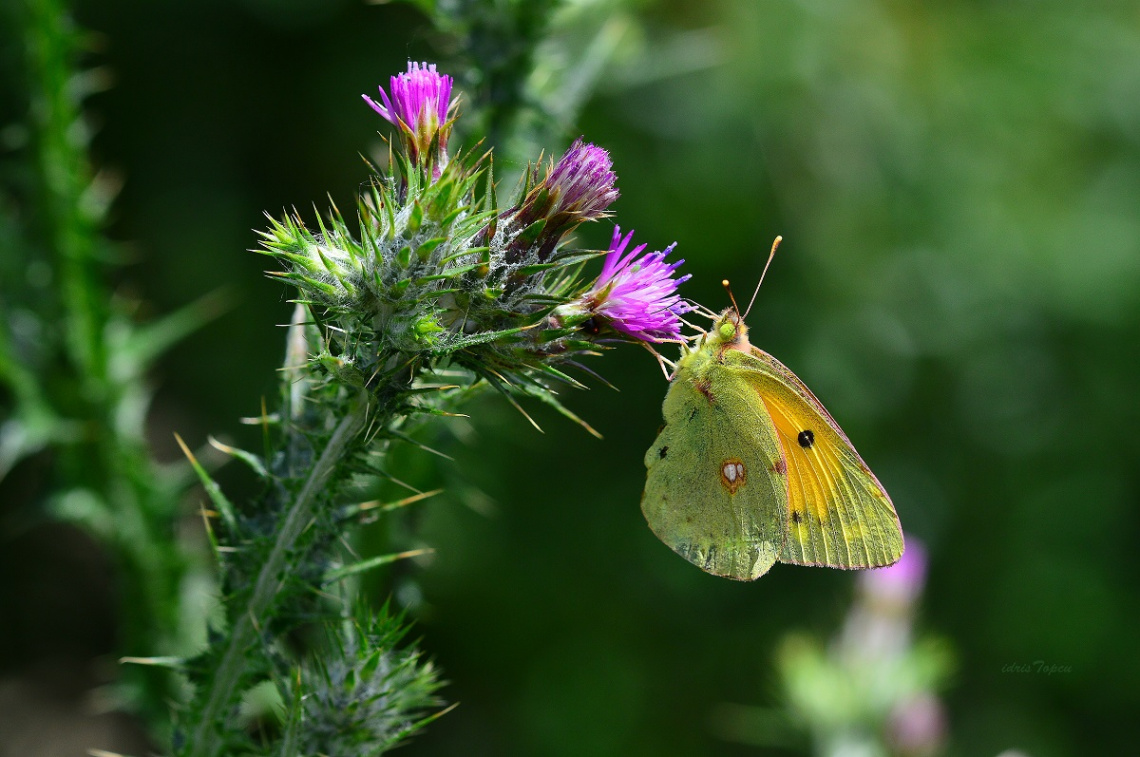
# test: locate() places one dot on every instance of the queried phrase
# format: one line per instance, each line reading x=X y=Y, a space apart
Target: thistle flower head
x=580 y=187
x=419 y=107
x=363 y=695
x=582 y=183
x=637 y=294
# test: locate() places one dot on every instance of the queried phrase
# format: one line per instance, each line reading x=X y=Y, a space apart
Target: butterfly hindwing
x=711 y=494
x=837 y=513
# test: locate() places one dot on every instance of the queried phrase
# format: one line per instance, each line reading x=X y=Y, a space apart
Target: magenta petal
x=390 y=113
x=377 y=106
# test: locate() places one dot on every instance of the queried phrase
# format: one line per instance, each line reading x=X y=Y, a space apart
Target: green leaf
x=483 y=252
x=144 y=344
x=450 y=273
x=171 y=663
x=86 y=508
x=546 y=396
x=483 y=338
x=335 y=270
x=424 y=251
x=224 y=507
x=404 y=437
x=250 y=459
x=404 y=257
x=530 y=234
x=374 y=562
x=528 y=270
x=415 y=219
x=307 y=282
x=384 y=507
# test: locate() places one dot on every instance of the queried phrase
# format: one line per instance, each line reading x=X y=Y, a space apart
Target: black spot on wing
x=661 y=452
x=806 y=438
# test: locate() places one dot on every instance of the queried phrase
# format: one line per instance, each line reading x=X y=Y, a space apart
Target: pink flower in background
x=901 y=583
x=917 y=725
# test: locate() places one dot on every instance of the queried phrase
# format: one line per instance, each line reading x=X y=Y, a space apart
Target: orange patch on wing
x=733 y=474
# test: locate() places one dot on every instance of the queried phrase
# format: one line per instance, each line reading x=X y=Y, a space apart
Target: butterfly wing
x=838 y=514
x=711 y=493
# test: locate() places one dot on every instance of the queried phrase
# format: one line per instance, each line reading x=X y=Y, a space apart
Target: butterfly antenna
x=727 y=288
x=771 y=255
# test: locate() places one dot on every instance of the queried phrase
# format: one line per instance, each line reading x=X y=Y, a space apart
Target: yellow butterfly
x=750 y=468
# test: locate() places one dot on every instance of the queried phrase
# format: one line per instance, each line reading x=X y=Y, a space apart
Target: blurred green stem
x=51 y=45
x=500 y=38
x=503 y=47
x=106 y=481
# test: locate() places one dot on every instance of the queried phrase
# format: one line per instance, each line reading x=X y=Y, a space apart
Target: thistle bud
x=580 y=187
x=420 y=107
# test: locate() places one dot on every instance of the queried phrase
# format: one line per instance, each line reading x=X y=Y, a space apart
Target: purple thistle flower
x=583 y=181
x=579 y=188
x=419 y=107
x=638 y=295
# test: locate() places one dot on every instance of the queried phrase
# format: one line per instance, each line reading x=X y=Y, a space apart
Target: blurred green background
x=958 y=186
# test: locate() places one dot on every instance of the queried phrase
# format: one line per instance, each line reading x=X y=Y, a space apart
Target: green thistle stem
x=205 y=740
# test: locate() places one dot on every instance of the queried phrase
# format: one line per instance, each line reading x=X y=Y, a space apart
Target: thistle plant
x=431 y=293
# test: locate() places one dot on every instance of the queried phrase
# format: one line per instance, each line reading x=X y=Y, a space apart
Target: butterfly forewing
x=837 y=514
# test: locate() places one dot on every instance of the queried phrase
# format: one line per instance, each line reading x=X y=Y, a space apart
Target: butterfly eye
x=727 y=330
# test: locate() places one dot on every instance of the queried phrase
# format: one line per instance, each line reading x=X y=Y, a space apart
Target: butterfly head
x=729 y=330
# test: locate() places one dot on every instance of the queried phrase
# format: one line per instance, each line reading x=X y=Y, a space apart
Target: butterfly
x=750 y=469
